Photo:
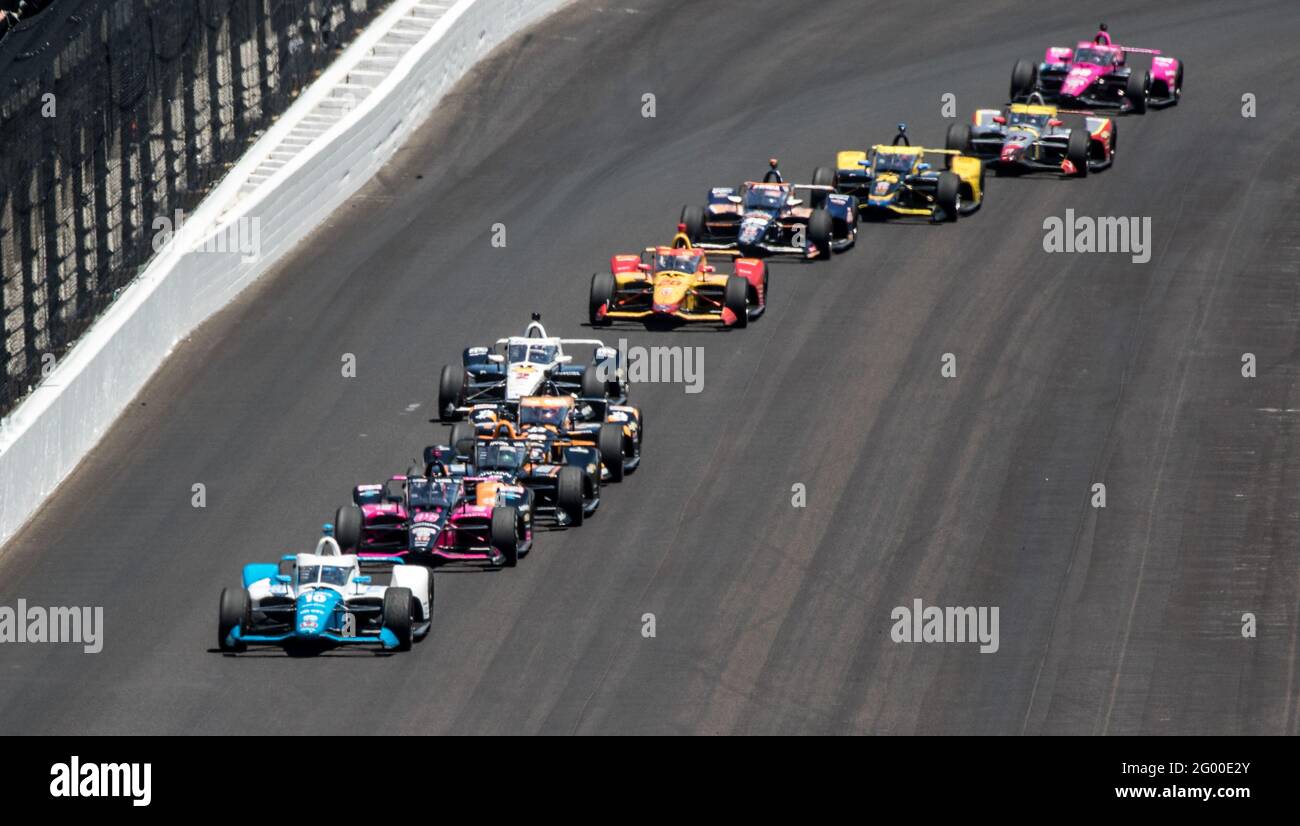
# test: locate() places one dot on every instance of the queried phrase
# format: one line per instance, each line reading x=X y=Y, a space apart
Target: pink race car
x=439 y=517
x=1095 y=74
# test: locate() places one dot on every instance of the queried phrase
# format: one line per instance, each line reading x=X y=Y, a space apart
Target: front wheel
x=570 y=494
x=235 y=611
x=736 y=299
x=602 y=296
x=948 y=195
x=398 y=615
x=451 y=392
x=610 y=443
x=1076 y=151
x=820 y=228
x=505 y=534
x=1136 y=91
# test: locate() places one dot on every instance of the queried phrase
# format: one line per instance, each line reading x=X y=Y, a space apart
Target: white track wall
x=47 y=435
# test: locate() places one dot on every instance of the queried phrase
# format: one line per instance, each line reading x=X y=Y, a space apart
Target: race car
x=898 y=179
x=527 y=365
x=1095 y=74
x=598 y=422
x=1033 y=137
x=678 y=282
x=322 y=599
x=768 y=218
x=563 y=467
x=440 y=516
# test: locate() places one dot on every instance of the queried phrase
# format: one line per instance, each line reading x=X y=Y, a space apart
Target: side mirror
x=361 y=580
x=735 y=199
x=283 y=579
x=922 y=167
x=496 y=358
x=1054 y=122
x=643 y=267
x=564 y=359
x=710 y=268
x=1000 y=119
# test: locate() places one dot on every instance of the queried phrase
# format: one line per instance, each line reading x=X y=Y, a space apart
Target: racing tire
x=1076 y=152
x=822 y=176
x=958 y=139
x=603 y=286
x=947 y=195
x=347 y=527
x=398 y=612
x=451 y=392
x=693 y=220
x=569 y=494
x=235 y=609
x=463 y=437
x=593 y=386
x=736 y=299
x=1024 y=77
x=1178 y=84
x=505 y=534
x=1136 y=91
x=610 y=443
x=820 y=228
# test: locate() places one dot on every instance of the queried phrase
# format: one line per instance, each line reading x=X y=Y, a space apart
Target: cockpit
x=532 y=353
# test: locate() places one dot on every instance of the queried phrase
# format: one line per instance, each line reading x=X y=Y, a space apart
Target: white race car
x=323 y=598
x=533 y=364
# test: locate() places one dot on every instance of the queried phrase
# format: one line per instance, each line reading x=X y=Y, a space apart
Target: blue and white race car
x=322 y=598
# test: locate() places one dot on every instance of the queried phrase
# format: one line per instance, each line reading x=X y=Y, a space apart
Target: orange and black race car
x=679 y=282
x=561 y=455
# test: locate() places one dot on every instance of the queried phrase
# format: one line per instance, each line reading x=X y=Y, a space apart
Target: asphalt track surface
x=975 y=490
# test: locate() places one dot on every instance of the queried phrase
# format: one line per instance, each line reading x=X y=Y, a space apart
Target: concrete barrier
x=333 y=139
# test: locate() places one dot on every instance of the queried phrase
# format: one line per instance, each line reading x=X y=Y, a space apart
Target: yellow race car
x=901 y=179
x=677 y=282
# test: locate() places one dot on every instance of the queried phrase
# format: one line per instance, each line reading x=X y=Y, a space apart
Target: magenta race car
x=1096 y=75
x=441 y=516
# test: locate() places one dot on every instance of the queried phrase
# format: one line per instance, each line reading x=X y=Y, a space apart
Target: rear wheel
x=570 y=497
x=505 y=534
x=398 y=614
x=602 y=295
x=948 y=195
x=1076 y=152
x=593 y=386
x=463 y=436
x=235 y=610
x=736 y=299
x=822 y=176
x=347 y=527
x=610 y=443
x=958 y=139
x=693 y=219
x=820 y=227
x=1024 y=76
x=451 y=392
x=1136 y=91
